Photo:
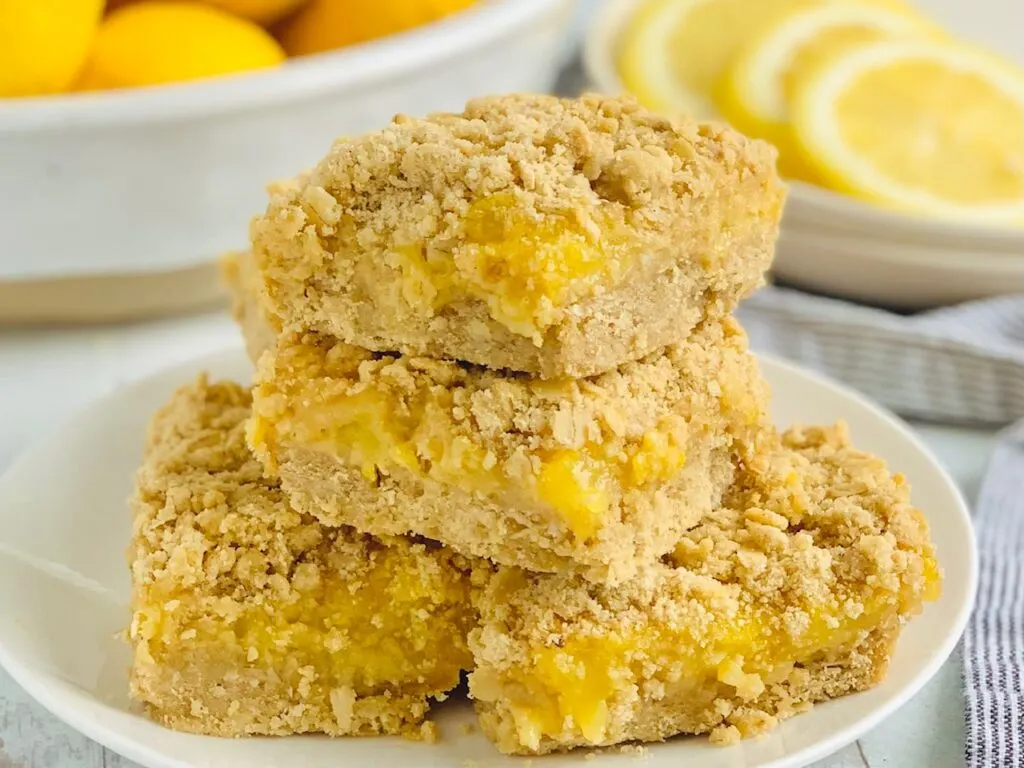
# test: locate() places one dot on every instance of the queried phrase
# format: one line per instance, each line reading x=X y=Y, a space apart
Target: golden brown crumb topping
x=416 y=179
x=695 y=385
x=210 y=519
x=809 y=523
x=809 y=517
x=510 y=214
x=211 y=529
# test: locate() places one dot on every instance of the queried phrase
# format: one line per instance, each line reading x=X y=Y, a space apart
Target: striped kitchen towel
x=994 y=640
x=962 y=364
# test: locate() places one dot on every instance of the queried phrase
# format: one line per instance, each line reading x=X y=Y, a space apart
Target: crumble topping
x=209 y=520
x=416 y=179
x=802 y=520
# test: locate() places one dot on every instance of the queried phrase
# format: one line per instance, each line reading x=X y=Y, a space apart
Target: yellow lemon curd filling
x=369 y=429
x=569 y=688
x=525 y=267
x=393 y=629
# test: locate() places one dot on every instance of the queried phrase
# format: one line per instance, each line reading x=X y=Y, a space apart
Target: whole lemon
x=158 y=41
x=43 y=43
x=260 y=11
x=325 y=24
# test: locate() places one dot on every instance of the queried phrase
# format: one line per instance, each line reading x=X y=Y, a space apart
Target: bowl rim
x=303 y=77
x=599 y=44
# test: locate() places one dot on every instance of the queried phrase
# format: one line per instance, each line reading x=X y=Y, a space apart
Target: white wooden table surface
x=45 y=375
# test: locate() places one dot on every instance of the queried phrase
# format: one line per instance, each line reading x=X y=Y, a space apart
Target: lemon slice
x=756 y=90
x=673 y=52
x=931 y=127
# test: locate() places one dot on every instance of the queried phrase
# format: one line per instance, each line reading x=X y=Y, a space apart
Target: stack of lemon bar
x=504 y=425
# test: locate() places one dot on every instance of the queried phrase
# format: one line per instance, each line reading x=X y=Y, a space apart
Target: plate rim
x=57 y=703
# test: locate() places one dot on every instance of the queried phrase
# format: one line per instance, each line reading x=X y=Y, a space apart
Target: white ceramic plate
x=841 y=246
x=64 y=527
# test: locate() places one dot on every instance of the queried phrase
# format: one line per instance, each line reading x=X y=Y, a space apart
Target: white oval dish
x=64 y=590
x=835 y=244
x=163 y=178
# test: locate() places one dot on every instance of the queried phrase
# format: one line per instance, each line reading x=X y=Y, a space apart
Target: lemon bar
x=249 y=617
x=557 y=237
x=596 y=475
x=793 y=592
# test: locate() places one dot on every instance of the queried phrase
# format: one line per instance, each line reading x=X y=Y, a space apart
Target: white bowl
x=887 y=272
x=841 y=246
x=166 y=178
